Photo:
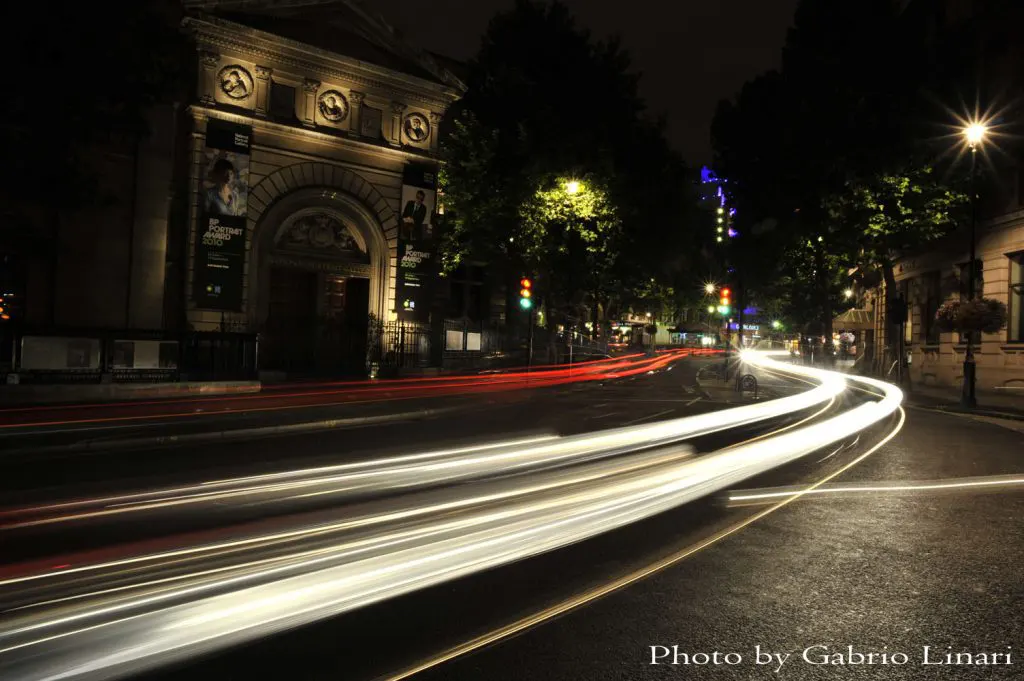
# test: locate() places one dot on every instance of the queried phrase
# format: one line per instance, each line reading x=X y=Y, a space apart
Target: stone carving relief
x=333 y=106
x=235 y=81
x=321 y=233
x=416 y=127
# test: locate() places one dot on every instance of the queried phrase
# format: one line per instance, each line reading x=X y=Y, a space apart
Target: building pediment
x=327 y=38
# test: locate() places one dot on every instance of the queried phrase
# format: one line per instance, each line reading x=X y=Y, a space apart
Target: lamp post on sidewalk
x=974 y=134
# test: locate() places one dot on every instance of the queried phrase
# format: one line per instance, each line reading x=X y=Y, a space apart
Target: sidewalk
x=990 y=403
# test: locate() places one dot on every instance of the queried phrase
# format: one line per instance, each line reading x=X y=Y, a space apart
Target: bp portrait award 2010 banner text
x=223 y=202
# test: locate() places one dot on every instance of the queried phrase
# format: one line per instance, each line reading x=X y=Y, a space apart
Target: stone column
x=397 y=109
x=208 y=77
x=355 y=118
x=435 y=130
x=263 y=74
x=309 y=89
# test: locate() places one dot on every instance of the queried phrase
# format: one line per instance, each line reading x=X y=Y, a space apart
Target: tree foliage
x=885 y=214
x=548 y=104
x=831 y=147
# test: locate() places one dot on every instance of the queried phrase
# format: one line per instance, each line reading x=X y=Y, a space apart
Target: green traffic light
x=525 y=303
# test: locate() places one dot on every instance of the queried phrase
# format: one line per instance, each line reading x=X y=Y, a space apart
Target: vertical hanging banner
x=223 y=202
x=417 y=245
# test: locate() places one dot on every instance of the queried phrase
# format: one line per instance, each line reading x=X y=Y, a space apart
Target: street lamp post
x=975 y=135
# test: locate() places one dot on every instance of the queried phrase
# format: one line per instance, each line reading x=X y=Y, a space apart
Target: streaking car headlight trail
x=111 y=618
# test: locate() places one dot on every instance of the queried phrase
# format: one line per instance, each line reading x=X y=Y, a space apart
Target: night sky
x=691 y=52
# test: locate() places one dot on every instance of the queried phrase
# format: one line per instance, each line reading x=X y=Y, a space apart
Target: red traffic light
x=726 y=293
x=525 y=283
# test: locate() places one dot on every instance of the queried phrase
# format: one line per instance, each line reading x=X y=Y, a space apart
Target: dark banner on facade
x=223 y=202
x=417 y=245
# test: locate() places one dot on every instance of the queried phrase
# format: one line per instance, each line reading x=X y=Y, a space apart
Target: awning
x=854 y=320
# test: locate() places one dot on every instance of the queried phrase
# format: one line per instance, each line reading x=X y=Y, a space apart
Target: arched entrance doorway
x=320 y=273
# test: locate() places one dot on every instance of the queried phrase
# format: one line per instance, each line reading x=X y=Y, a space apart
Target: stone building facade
x=334 y=109
x=330 y=138
x=929 y=279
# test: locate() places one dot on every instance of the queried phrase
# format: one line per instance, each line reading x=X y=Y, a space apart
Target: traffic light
x=725 y=302
x=525 y=293
x=7 y=305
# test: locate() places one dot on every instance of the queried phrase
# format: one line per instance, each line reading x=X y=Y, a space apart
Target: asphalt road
x=883 y=570
x=454 y=421
x=852 y=562
x=363 y=430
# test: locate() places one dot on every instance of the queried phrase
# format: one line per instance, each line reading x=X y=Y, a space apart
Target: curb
x=33 y=395
x=953 y=409
x=229 y=435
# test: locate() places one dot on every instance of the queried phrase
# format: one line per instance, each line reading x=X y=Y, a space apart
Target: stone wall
x=1000 y=361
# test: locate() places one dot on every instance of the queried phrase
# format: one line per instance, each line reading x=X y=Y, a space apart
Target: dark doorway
x=316 y=323
x=343 y=339
x=291 y=321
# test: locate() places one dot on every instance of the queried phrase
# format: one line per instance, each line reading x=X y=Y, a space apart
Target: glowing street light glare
x=975 y=133
x=848 y=293
x=776 y=324
x=709 y=288
x=711 y=309
x=572 y=187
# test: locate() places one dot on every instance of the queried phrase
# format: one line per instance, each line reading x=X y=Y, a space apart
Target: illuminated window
x=1015 y=325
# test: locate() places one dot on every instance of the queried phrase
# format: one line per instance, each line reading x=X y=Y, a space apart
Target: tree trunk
x=893 y=330
x=828 y=348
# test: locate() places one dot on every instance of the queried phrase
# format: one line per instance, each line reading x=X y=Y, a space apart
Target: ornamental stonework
x=235 y=81
x=319 y=232
x=333 y=106
x=417 y=128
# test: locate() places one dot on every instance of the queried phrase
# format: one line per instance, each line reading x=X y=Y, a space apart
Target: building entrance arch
x=319 y=271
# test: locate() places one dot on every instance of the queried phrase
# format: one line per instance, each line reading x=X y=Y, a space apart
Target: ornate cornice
x=208 y=59
x=201 y=112
x=263 y=47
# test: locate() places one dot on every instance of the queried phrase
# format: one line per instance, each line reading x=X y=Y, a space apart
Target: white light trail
x=249 y=587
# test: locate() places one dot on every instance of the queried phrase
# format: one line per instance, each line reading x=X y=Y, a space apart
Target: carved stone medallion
x=235 y=81
x=319 y=232
x=333 y=106
x=416 y=127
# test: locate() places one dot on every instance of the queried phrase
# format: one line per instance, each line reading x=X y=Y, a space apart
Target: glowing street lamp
x=974 y=134
x=709 y=288
x=572 y=187
x=848 y=293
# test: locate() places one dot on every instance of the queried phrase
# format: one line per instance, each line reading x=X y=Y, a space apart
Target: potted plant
x=982 y=315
